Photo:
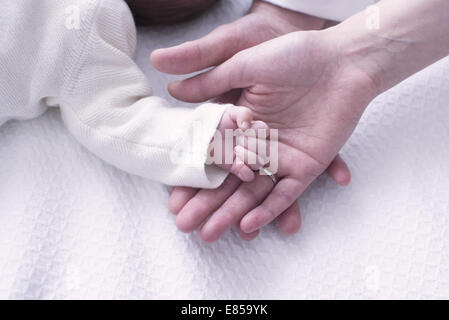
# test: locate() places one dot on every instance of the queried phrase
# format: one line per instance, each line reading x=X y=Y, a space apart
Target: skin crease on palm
x=264 y=22
x=312 y=126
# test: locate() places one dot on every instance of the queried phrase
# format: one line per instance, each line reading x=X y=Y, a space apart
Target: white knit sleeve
x=337 y=10
x=108 y=106
x=39 y=45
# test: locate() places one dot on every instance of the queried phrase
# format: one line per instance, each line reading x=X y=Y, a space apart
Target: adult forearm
x=409 y=36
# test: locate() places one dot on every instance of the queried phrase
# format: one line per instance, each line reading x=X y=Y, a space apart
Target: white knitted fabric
x=77 y=55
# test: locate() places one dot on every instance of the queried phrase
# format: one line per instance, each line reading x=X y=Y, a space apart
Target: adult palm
x=302 y=85
x=265 y=22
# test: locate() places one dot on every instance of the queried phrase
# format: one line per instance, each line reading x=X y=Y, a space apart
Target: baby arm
x=86 y=69
x=108 y=106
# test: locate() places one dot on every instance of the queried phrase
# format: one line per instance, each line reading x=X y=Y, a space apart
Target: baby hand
x=224 y=151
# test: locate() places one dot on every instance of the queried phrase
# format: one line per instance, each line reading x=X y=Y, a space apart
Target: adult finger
x=227 y=76
x=247 y=236
x=290 y=220
x=179 y=198
x=284 y=194
x=338 y=170
x=204 y=203
x=245 y=198
x=208 y=51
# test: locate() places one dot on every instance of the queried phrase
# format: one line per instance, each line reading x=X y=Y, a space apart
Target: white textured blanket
x=73 y=227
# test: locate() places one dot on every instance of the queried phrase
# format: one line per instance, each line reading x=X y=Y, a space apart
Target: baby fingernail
x=245 y=125
x=261 y=160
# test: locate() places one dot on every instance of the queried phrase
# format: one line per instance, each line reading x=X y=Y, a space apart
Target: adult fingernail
x=246 y=225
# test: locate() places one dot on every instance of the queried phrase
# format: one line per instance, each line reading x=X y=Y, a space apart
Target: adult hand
x=300 y=84
x=193 y=206
x=264 y=22
x=315 y=86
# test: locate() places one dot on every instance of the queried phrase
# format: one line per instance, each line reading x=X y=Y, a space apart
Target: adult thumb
x=210 y=50
x=228 y=76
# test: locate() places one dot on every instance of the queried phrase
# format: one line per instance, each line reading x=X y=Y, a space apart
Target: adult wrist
x=360 y=51
x=395 y=39
x=344 y=67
